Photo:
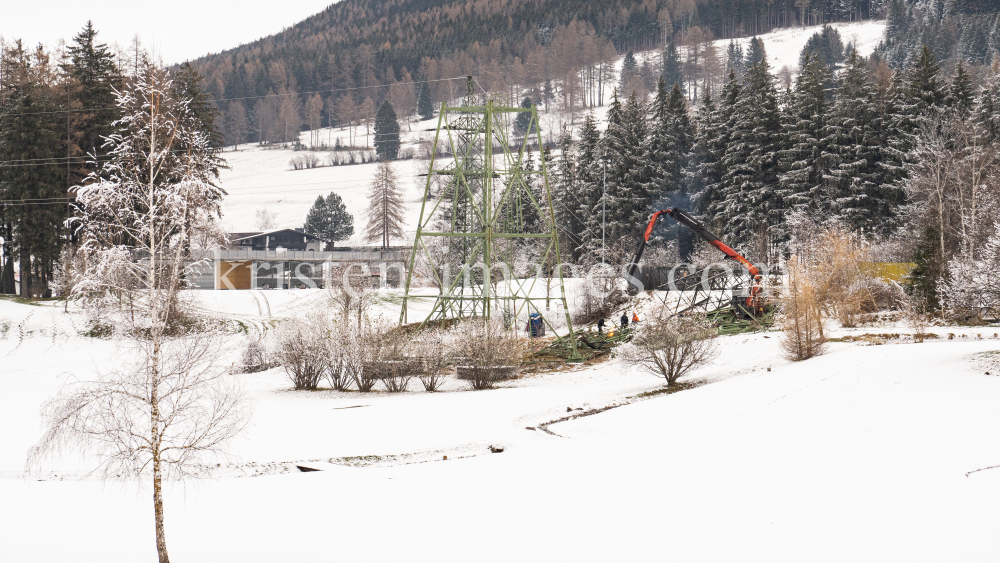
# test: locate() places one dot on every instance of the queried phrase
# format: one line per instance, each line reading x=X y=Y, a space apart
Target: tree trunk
x=161 y=537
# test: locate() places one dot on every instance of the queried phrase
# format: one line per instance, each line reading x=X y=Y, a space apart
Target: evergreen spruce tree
x=329 y=220
x=735 y=60
x=204 y=116
x=864 y=200
x=566 y=193
x=590 y=167
x=96 y=77
x=386 y=132
x=749 y=201
x=923 y=87
x=960 y=95
x=755 y=52
x=31 y=132
x=714 y=128
x=803 y=186
x=987 y=108
x=630 y=171
x=523 y=119
x=630 y=68
x=672 y=72
x=424 y=106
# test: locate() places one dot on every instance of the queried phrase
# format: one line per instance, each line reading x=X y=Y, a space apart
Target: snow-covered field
x=862 y=454
x=783 y=46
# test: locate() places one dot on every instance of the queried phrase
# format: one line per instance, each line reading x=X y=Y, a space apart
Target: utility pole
x=604 y=204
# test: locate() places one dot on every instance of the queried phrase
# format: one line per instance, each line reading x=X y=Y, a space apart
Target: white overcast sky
x=187 y=30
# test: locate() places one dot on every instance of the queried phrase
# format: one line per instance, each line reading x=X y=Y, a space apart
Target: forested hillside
x=958 y=29
x=510 y=45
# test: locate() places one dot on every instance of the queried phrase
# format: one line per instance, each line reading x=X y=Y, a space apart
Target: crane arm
x=697 y=228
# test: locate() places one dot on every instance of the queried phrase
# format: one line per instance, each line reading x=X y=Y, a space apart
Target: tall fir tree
x=386 y=132
x=864 y=200
x=424 y=105
x=328 y=219
x=803 y=187
x=203 y=114
x=591 y=166
x=749 y=201
x=96 y=76
x=566 y=193
x=630 y=171
x=30 y=141
x=672 y=66
x=961 y=95
x=714 y=129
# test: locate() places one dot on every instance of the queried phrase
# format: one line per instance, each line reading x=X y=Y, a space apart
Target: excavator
x=749 y=305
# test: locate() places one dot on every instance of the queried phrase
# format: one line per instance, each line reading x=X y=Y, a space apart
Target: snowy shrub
x=255 y=357
x=600 y=293
x=302 y=348
x=388 y=358
x=487 y=352
x=670 y=347
x=430 y=346
x=972 y=283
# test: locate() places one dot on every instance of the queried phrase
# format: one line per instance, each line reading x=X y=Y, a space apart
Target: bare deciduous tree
x=167 y=413
x=670 y=347
x=386 y=211
x=302 y=347
x=136 y=218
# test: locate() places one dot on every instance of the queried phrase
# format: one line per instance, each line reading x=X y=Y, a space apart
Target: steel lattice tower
x=492 y=205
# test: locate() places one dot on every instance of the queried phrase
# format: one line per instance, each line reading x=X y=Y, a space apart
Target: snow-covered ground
x=862 y=454
x=784 y=46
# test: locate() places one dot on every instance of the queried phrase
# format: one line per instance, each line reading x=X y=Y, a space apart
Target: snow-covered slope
x=783 y=46
x=866 y=453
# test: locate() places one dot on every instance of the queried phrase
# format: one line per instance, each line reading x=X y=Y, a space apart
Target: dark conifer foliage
x=424 y=106
x=672 y=68
x=328 y=219
x=31 y=138
x=386 y=132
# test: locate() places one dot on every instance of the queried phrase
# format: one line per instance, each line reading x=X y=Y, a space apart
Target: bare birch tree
x=136 y=218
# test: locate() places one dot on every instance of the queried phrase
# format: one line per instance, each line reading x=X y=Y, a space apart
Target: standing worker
x=635 y=318
x=600 y=326
x=624 y=320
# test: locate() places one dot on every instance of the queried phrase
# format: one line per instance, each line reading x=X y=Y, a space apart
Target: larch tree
x=386 y=212
x=170 y=408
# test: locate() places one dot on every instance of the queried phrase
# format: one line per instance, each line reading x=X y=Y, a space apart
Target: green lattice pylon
x=487 y=230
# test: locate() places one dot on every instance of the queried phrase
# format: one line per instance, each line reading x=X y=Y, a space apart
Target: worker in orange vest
x=635 y=318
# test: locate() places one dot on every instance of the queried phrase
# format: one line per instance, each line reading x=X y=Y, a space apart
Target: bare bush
x=389 y=359
x=600 y=293
x=255 y=357
x=302 y=348
x=487 y=352
x=430 y=347
x=917 y=318
x=338 y=366
x=670 y=347
x=803 y=322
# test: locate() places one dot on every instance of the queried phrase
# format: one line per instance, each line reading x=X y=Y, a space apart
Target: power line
x=217 y=100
